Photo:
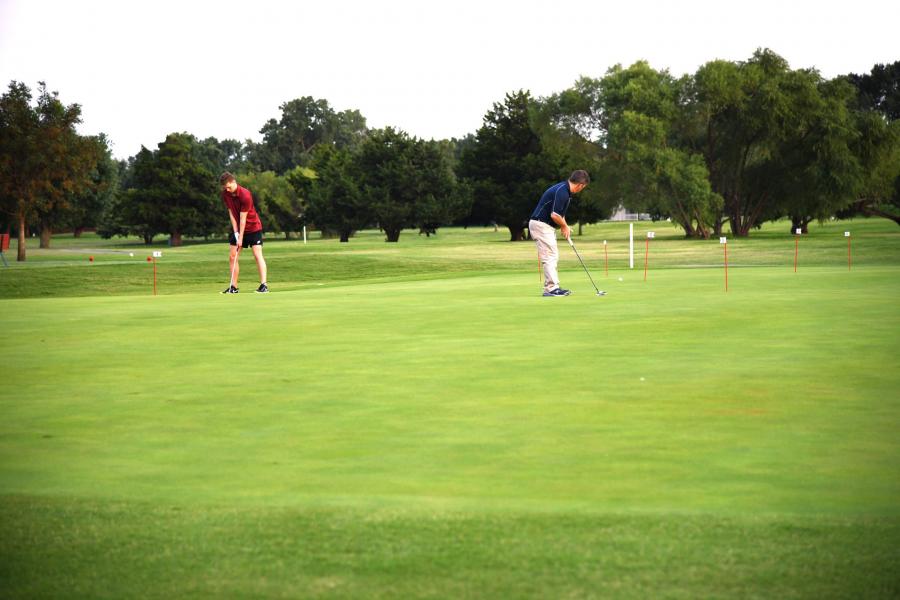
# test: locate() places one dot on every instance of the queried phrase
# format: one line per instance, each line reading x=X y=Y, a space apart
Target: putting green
x=457 y=434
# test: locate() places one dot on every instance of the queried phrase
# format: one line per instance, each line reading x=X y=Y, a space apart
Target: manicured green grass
x=424 y=424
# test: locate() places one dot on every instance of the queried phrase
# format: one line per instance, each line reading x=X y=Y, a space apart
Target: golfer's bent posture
x=246 y=230
x=549 y=214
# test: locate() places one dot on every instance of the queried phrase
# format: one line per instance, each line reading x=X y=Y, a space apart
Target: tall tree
x=407 y=182
x=174 y=192
x=304 y=124
x=42 y=157
x=336 y=203
x=88 y=204
x=636 y=115
x=508 y=166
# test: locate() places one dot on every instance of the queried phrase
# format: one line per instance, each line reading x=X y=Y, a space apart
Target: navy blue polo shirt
x=554 y=200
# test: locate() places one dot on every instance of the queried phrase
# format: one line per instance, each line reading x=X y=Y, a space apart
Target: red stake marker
x=849 y=261
x=724 y=242
x=650 y=235
x=156 y=254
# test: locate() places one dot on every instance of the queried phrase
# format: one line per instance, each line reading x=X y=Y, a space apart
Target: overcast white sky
x=221 y=68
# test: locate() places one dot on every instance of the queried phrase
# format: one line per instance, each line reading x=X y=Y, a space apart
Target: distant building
x=623 y=214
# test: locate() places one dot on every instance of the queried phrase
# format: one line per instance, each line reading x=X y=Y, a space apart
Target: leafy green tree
x=42 y=158
x=775 y=140
x=878 y=143
x=636 y=115
x=407 y=182
x=173 y=192
x=336 y=203
x=562 y=135
x=508 y=166
x=878 y=150
x=818 y=173
x=879 y=90
x=88 y=203
x=305 y=123
x=276 y=201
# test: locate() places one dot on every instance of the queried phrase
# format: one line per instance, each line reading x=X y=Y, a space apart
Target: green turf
x=424 y=424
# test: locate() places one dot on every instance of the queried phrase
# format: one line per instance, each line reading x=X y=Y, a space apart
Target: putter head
x=601 y=293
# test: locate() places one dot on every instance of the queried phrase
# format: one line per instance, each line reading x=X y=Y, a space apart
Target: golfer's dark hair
x=225 y=178
x=580 y=176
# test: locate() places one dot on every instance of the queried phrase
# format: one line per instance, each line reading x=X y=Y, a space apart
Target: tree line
x=735 y=145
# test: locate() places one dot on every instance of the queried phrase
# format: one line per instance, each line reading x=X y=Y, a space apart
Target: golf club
x=233 y=265
x=571 y=243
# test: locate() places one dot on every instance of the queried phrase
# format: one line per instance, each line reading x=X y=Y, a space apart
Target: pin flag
x=156 y=254
x=650 y=236
x=847 y=235
x=724 y=242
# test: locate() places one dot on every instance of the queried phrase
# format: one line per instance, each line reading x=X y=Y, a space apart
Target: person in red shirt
x=247 y=231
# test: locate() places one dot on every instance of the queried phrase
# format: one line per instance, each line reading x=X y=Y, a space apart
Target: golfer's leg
x=544 y=238
x=551 y=274
x=260 y=263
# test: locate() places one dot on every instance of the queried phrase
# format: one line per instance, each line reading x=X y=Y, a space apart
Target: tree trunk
x=78 y=232
x=176 y=238
x=516 y=233
x=148 y=239
x=20 y=252
x=392 y=235
x=46 y=234
x=345 y=236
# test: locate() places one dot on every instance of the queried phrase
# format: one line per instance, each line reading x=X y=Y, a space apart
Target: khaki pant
x=544 y=237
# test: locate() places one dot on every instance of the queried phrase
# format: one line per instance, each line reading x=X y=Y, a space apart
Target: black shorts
x=250 y=239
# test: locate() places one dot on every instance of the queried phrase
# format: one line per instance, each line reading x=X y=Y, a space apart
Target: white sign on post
x=157 y=254
x=798 y=231
x=651 y=234
x=846 y=234
x=723 y=240
x=604 y=242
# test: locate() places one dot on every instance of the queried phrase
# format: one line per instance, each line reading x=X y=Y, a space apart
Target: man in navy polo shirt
x=549 y=214
x=246 y=228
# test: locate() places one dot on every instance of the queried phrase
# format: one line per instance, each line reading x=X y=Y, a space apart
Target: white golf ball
x=642 y=379
x=620 y=279
x=131 y=254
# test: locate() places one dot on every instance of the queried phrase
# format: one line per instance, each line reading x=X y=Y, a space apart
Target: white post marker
x=304 y=234
x=724 y=242
x=631 y=245
x=799 y=232
x=605 y=260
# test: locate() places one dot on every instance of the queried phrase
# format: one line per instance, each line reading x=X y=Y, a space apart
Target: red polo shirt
x=241 y=201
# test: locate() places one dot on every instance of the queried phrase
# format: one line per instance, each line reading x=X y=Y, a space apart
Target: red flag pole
x=796 y=248
x=724 y=242
x=650 y=234
x=849 y=260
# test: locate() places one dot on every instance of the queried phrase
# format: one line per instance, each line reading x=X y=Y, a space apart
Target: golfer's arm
x=243 y=223
x=559 y=220
x=234 y=225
